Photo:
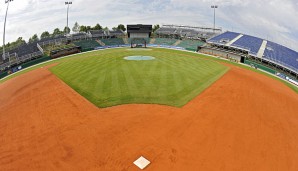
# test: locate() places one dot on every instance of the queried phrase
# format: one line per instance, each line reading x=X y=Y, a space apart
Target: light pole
x=67 y=3
x=214 y=7
x=7 y=2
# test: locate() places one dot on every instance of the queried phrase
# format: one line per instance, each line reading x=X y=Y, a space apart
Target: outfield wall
x=262 y=67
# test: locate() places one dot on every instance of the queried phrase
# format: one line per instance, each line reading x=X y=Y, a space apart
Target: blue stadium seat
x=250 y=43
x=282 y=55
x=227 y=36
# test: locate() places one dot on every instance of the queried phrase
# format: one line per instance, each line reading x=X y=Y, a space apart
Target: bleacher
x=223 y=38
x=274 y=53
x=113 y=42
x=87 y=44
x=24 y=49
x=165 y=41
x=191 y=44
x=188 y=33
x=115 y=33
x=47 y=49
x=250 y=43
x=282 y=55
x=166 y=31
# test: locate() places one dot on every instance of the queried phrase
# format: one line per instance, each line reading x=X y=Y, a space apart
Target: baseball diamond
x=148 y=97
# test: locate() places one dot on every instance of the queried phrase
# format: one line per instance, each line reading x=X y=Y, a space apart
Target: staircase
x=125 y=40
x=234 y=40
x=177 y=43
x=100 y=42
x=152 y=41
x=262 y=49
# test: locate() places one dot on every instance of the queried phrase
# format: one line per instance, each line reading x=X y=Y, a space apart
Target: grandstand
x=281 y=55
x=47 y=49
x=113 y=42
x=250 y=43
x=223 y=38
x=191 y=32
x=87 y=44
x=271 y=54
x=97 y=34
x=191 y=44
x=228 y=44
x=165 y=41
x=22 y=53
x=116 y=34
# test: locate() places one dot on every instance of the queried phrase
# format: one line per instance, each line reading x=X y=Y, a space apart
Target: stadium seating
x=190 y=44
x=282 y=55
x=274 y=52
x=250 y=43
x=164 y=41
x=165 y=30
x=224 y=38
x=115 y=33
x=25 y=49
x=87 y=44
x=113 y=42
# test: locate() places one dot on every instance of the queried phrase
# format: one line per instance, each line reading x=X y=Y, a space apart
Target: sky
x=274 y=20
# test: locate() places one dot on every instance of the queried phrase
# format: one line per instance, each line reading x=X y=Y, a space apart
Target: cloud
x=270 y=19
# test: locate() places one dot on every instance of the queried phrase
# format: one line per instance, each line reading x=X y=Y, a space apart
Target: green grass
x=106 y=79
x=123 y=52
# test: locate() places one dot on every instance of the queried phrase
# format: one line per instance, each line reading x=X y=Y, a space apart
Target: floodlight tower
x=68 y=3
x=214 y=7
x=7 y=2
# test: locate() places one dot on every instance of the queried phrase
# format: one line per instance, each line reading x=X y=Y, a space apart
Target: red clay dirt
x=245 y=121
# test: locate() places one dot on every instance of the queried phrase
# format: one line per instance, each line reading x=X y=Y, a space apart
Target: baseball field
x=107 y=79
x=180 y=110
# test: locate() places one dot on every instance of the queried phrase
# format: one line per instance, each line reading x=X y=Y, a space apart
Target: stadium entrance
x=139 y=35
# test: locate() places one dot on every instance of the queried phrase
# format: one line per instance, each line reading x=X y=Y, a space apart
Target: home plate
x=141 y=162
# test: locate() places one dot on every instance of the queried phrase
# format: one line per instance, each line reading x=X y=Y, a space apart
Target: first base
x=141 y=162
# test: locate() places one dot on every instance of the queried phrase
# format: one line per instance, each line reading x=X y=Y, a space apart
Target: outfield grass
x=106 y=79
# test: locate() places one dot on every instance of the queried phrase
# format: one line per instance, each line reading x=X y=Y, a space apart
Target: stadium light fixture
x=6 y=2
x=214 y=7
x=67 y=3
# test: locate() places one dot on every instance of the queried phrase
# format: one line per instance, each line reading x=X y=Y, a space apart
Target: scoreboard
x=139 y=31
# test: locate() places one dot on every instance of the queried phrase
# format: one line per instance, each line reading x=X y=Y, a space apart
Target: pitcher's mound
x=139 y=58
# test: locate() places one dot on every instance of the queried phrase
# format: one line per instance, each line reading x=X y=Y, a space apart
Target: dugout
x=139 y=34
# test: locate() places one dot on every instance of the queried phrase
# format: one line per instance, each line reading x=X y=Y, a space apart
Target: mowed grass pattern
x=106 y=79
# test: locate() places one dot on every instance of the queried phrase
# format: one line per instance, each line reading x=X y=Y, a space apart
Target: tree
x=66 y=30
x=97 y=27
x=56 y=32
x=105 y=29
x=45 y=35
x=121 y=27
x=83 y=29
x=155 y=27
x=20 y=41
x=33 y=38
x=76 y=27
x=115 y=28
x=88 y=28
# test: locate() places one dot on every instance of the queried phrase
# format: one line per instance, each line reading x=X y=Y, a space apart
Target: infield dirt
x=245 y=121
